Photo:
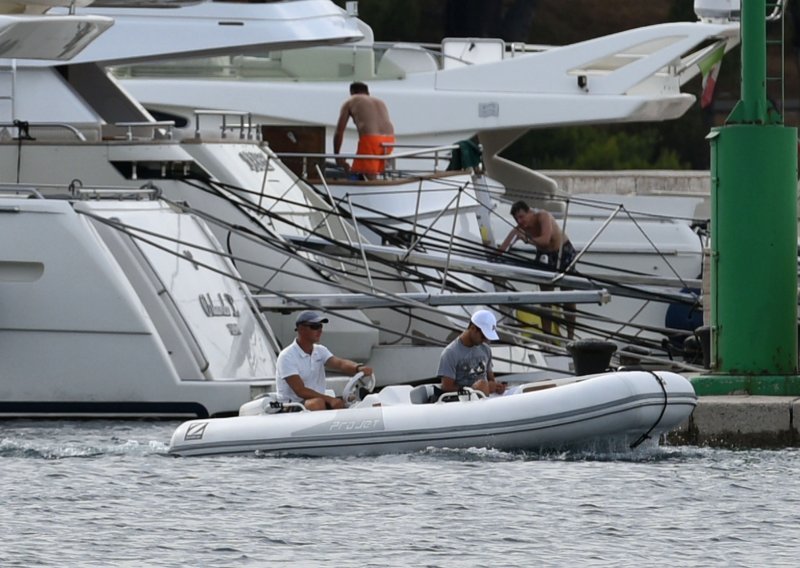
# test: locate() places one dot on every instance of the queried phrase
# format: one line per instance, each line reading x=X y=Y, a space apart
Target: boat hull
x=623 y=406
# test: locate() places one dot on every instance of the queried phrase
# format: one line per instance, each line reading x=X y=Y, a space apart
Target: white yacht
x=118 y=304
x=77 y=120
x=116 y=301
x=464 y=87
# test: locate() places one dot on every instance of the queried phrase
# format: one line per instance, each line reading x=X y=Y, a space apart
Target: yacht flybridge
x=26 y=32
x=203 y=28
x=439 y=94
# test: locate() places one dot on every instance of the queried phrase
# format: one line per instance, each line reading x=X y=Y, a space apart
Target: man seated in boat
x=301 y=366
x=467 y=361
x=375 y=130
x=553 y=248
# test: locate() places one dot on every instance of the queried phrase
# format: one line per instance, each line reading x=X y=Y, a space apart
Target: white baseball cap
x=486 y=322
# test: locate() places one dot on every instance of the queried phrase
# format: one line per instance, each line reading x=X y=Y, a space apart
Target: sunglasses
x=314 y=326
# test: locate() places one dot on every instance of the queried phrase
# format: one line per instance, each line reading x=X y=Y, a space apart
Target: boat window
x=180 y=121
x=159 y=170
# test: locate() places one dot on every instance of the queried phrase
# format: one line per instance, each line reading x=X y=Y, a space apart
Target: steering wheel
x=351 y=393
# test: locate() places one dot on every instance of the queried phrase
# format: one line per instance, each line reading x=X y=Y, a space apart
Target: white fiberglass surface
x=213 y=305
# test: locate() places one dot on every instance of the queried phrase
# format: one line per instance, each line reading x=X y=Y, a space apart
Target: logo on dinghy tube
x=195 y=431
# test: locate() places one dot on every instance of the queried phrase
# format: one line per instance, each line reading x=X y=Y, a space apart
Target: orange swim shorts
x=370 y=144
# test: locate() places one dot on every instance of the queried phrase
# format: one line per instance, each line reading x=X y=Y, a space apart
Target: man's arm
x=301 y=390
x=494 y=385
x=338 y=135
x=449 y=384
x=346 y=366
x=512 y=236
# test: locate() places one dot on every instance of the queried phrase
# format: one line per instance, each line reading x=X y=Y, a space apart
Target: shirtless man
x=540 y=228
x=374 y=127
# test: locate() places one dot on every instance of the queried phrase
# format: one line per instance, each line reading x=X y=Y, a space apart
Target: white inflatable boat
x=623 y=406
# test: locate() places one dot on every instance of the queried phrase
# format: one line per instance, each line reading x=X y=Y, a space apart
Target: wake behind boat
x=622 y=406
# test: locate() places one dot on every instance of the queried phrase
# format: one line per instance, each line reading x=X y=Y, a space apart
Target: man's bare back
x=375 y=131
x=369 y=114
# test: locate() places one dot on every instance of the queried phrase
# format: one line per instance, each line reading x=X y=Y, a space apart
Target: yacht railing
x=129 y=127
x=14 y=190
x=82 y=192
x=23 y=128
x=415 y=152
x=245 y=127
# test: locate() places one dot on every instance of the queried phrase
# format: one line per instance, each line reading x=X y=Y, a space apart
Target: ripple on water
x=105 y=493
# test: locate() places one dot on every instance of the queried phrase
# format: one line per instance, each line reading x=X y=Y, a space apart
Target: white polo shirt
x=311 y=368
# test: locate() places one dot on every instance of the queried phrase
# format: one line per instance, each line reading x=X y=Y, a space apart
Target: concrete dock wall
x=742 y=421
x=694 y=183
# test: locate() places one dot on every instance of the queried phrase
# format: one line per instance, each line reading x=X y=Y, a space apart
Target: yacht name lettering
x=256 y=161
x=223 y=306
x=354 y=425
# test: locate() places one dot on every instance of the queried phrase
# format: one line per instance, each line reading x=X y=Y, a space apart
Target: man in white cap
x=301 y=366
x=467 y=361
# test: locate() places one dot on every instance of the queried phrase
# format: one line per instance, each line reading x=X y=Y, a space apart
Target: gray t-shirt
x=465 y=364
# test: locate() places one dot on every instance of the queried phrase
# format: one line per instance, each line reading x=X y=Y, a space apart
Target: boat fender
x=258 y=405
x=646 y=435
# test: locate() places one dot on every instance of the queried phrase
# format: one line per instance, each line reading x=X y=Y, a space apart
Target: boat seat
x=423 y=394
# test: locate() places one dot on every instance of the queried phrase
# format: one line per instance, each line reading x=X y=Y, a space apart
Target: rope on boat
x=294 y=250
x=455 y=282
x=221 y=189
x=138 y=233
x=646 y=435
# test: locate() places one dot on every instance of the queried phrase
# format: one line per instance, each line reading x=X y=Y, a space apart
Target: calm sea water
x=106 y=494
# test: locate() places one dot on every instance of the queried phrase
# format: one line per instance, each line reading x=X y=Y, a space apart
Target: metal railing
x=25 y=126
x=245 y=128
x=129 y=126
x=415 y=152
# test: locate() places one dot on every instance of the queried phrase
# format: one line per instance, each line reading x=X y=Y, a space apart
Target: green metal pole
x=753 y=237
x=754 y=62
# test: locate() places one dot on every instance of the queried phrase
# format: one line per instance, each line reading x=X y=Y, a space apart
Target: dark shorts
x=550 y=259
